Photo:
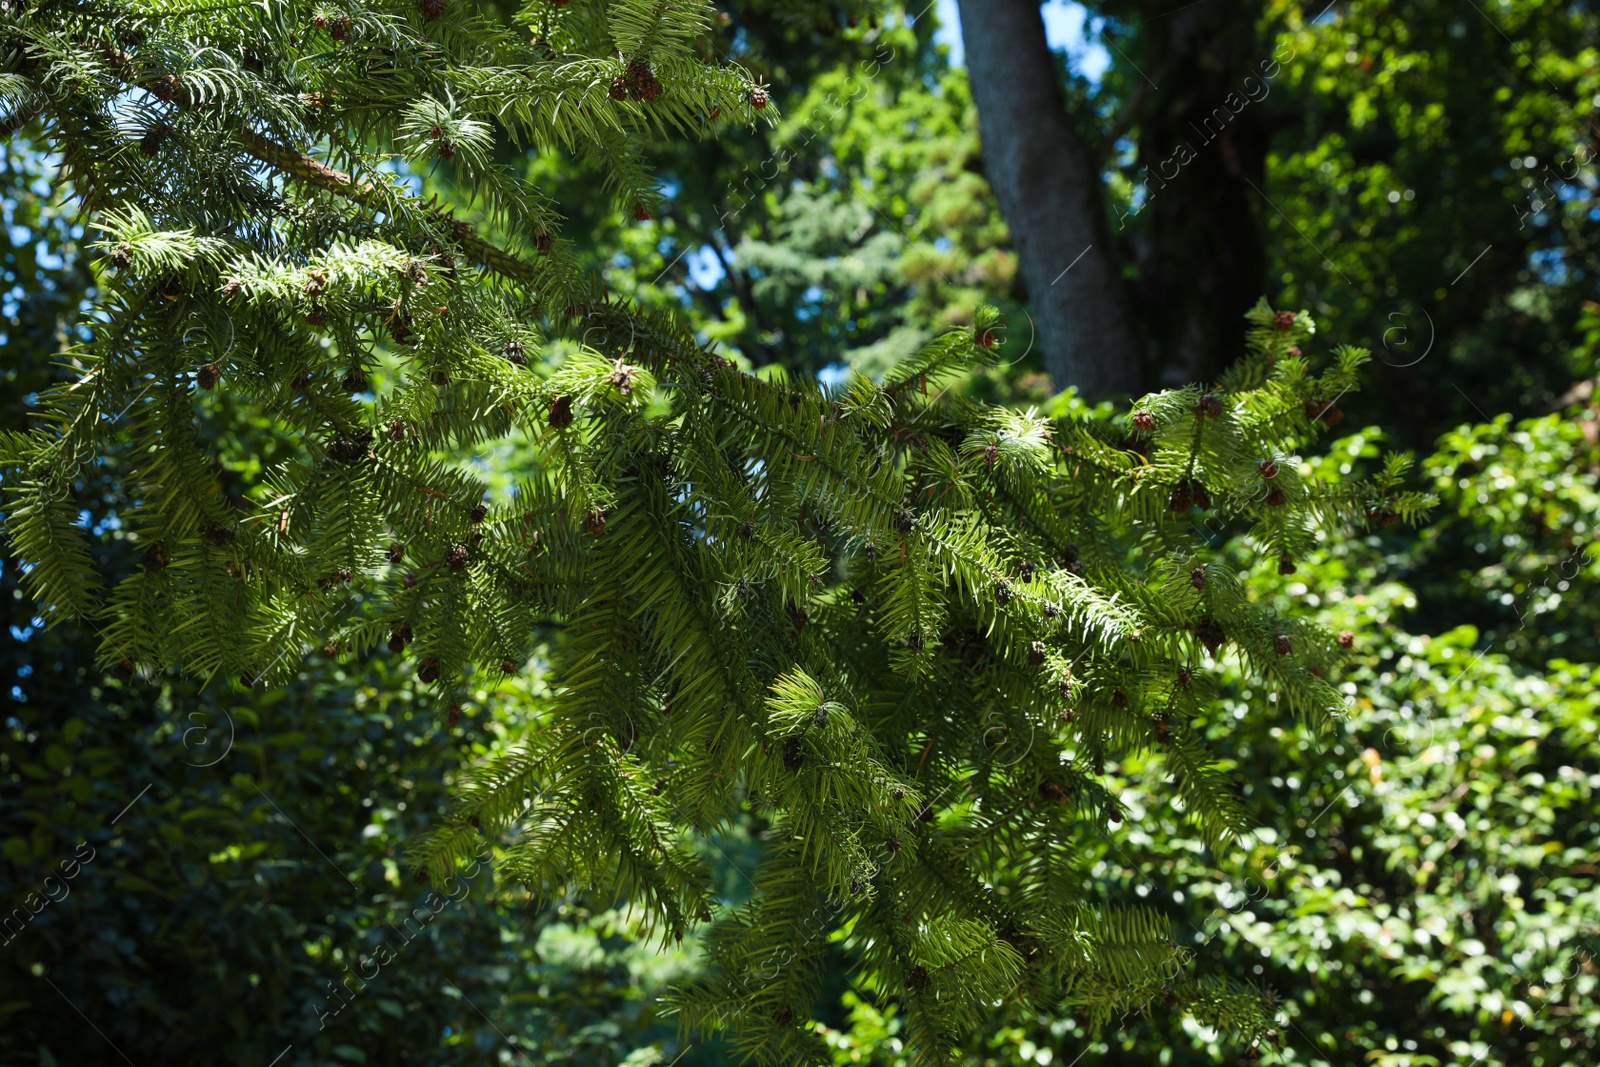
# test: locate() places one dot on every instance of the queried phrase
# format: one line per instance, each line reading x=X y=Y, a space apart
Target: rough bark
x=1045 y=177
x=1201 y=245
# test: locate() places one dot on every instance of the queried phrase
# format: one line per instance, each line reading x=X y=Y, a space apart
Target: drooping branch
x=303 y=168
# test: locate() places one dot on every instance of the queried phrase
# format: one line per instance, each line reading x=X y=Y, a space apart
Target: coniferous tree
x=903 y=629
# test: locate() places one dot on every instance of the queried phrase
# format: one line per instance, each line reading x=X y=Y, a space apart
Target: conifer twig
x=302 y=167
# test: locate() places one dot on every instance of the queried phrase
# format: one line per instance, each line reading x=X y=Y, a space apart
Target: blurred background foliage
x=1423 y=887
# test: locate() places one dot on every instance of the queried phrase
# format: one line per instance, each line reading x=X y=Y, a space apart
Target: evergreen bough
x=900 y=630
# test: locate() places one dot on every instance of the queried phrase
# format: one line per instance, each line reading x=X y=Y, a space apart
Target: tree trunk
x=1199 y=242
x=1048 y=185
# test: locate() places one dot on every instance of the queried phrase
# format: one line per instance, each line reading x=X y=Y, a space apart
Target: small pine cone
x=1347 y=639
x=1051 y=791
x=508 y=666
x=747 y=529
x=317 y=316
x=1211 y=634
x=1276 y=497
x=991 y=455
x=1052 y=609
x=895 y=845
x=897 y=793
x=447 y=150
x=1209 y=407
x=1197 y=577
x=759 y=98
x=794 y=752
x=453 y=716
x=1286 y=565
x=1283 y=321
x=1283 y=645
x=1036 y=652
x=400 y=330
x=397 y=430
x=799 y=618
x=515 y=353
x=155 y=558
x=819 y=718
x=400 y=638
x=619 y=88
x=1382 y=516
x=433 y=9
x=121 y=258
x=428 y=670
x=543 y=241
x=477 y=514
x=301 y=382
x=317 y=283
x=1185 y=676
x=560 y=413
x=339 y=29
x=165 y=87
x=925 y=815
x=1182 y=498
x=124 y=670
x=397 y=552
x=622 y=377
x=1202 y=499
x=1114 y=813
x=595 y=522
x=441 y=378
x=216 y=533
x=1268 y=469
x=985 y=338
x=1119 y=698
x=208 y=376
x=641 y=213
x=153 y=139
x=1002 y=593
x=410 y=581
x=319 y=21
x=349 y=449
x=457 y=557
x=356 y=382
x=1026 y=571
x=1323 y=411
x=1143 y=421
x=906 y=521
x=1064 y=687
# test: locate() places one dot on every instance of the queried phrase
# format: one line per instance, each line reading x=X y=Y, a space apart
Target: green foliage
x=1428 y=141
x=903 y=630
x=1419 y=887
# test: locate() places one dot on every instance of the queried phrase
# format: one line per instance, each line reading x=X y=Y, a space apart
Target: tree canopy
x=374 y=429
